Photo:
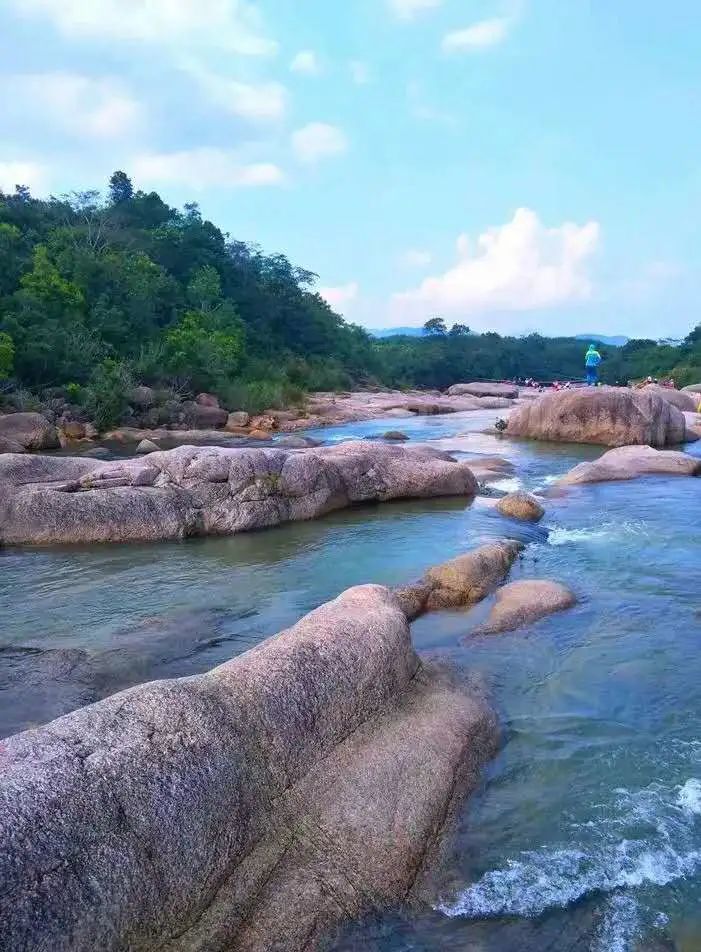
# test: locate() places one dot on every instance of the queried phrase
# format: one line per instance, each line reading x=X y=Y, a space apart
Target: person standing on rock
x=592 y=359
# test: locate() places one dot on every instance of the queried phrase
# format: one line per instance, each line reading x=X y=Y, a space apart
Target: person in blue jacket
x=592 y=359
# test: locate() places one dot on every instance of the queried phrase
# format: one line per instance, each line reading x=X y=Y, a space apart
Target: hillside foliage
x=98 y=294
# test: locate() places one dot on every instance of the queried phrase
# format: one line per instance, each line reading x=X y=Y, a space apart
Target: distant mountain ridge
x=396 y=331
x=616 y=341
x=381 y=332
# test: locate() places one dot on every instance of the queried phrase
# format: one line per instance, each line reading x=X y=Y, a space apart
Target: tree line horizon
x=99 y=294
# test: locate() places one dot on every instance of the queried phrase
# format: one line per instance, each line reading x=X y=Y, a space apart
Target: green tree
x=46 y=322
x=435 y=325
x=204 y=289
x=120 y=188
x=203 y=351
x=458 y=330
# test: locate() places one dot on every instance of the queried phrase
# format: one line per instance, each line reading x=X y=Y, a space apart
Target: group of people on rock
x=592 y=360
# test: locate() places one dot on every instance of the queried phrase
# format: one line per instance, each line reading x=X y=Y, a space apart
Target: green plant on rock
x=74 y=392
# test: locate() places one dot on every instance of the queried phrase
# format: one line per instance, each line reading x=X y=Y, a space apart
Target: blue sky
x=515 y=165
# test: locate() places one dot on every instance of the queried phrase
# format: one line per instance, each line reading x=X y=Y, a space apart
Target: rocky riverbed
x=547 y=627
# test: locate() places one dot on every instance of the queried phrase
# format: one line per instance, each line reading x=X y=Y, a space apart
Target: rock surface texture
x=209 y=490
x=462 y=581
x=682 y=401
x=520 y=603
x=520 y=505
x=20 y=432
x=629 y=462
x=611 y=416
x=248 y=809
x=693 y=426
x=480 y=389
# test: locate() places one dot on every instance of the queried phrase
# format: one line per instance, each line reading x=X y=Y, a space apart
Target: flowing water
x=586 y=834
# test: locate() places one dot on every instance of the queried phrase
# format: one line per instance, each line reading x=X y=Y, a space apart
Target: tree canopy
x=98 y=294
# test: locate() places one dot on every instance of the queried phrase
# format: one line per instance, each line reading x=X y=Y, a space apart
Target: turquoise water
x=587 y=831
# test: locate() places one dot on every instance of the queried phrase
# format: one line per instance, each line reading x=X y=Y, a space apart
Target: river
x=586 y=834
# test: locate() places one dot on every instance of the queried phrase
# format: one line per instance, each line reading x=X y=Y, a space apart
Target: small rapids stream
x=586 y=834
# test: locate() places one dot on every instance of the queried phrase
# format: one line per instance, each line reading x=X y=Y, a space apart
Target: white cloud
x=23 y=172
x=478 y=36
x=318 y=140
x=307 y=62
x=361 y=73
x=233 y=25
x=257 y=102
x=84 y=106
x=519 y=266
x=415 y=258
x=340 y=296
x=203 y=168
x=408 y=9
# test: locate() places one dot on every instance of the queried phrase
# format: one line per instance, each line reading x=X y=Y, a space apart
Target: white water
x=648 y=841
x=607 y=532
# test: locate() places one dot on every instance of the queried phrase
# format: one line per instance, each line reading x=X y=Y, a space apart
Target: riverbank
x=585 y=833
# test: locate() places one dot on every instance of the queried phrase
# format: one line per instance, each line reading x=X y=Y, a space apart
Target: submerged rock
x=247 y=809
x=395 y=435
x=520 y=603
x=462 y=581
x=31 y=431
x=630 y=462
x=39 y=684
x=484 y=389
x=296 y=442
x=212 y=491
x=612 y=416
x=521 y=505
x=98 y=452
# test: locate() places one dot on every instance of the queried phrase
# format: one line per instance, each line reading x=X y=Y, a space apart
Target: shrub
x=107 y=394
x=7 y=355
x=254 y=396
x=24 y=401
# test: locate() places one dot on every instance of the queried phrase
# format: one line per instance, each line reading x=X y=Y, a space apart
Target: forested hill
x=100 y=294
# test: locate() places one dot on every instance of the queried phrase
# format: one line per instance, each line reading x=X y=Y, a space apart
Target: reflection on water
x=587 y=834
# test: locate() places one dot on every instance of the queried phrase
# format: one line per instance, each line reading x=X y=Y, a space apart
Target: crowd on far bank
x=541 y=387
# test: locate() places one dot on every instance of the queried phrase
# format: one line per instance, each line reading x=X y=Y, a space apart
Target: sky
x=513 y=165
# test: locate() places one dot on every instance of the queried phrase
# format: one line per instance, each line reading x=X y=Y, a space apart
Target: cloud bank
x=519 y=266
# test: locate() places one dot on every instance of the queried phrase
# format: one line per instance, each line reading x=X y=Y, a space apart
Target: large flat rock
x=630 y=462
x=480 y=388
x=209 y=490
x=611 y=416
x=248 y=809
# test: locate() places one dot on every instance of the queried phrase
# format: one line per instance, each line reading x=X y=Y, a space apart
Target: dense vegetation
x=99 y=295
